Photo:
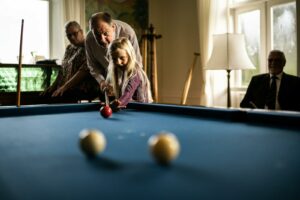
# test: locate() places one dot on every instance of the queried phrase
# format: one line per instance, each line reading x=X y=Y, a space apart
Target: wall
x=176 y=21
x=134 y=12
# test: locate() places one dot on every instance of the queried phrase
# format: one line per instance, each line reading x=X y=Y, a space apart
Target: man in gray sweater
x=103 y=30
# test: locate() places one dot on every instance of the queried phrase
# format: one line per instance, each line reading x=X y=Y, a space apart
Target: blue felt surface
x=41 y=158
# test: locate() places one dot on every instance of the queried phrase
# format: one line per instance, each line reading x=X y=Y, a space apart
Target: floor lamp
x=229 y=53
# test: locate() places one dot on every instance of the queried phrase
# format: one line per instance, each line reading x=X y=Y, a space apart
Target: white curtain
x=74 y=10
x=212 y=16
x=205 y=28
x=62 y=11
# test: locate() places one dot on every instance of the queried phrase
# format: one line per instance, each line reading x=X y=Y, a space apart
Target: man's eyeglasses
x=69 y=35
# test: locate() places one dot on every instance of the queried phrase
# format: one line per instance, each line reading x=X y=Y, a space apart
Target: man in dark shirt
x=275 y=90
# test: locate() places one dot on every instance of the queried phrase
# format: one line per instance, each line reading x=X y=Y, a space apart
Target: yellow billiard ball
x=164 y=147
x=92 y=141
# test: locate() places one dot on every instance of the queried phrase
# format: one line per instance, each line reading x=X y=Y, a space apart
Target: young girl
x=129 y=81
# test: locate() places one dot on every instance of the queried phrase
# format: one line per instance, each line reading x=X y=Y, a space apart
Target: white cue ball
x=164 y=147
x=92 y=141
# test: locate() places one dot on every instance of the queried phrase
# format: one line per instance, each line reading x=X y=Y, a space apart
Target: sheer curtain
x=62 y=11
x=212 y=18
x=75 y=10
x=205 y=28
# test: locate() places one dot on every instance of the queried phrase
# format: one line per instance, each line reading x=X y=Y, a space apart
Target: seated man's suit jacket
x=288 y=95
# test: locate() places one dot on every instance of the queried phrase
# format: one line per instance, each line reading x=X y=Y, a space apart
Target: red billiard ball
x=106 y=111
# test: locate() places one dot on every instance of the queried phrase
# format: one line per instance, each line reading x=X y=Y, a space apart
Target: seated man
x=74 y=81
x=275 y=90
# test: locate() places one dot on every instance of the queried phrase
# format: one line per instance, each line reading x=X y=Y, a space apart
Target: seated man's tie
x=271 y=97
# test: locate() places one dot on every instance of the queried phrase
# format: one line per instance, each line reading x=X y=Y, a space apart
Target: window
x=283 y=33
x=36 y=29
x=249 y=25
x=266 y=25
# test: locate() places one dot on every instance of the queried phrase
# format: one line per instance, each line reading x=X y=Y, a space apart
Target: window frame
x=262 y=61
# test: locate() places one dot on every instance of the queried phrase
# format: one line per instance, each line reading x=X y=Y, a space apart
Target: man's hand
x=59 y=92
x=105 y=87
x=102 y=86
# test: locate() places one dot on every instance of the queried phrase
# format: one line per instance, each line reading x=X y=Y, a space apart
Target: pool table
x=225 y=153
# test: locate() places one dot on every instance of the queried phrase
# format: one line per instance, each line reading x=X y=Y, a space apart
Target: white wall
x=176 y=21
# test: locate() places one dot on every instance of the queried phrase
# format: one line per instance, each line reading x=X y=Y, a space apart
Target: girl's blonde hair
x=133 y=68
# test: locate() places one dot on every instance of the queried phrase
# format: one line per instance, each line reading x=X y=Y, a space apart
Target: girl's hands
x=116 y=105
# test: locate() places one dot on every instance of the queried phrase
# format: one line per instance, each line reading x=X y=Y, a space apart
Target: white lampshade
x=229 y=53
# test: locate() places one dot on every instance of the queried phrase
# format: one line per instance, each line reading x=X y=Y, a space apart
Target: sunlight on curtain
x=75 y=10
x=62 y=12
x=216 y=85
x=249 y=25
x=204 y=7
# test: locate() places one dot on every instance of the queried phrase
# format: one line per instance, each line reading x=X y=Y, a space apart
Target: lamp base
x=228 y=89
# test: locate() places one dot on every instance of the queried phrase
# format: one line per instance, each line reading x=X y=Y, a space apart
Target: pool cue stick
x=20 y=67
x=188 y=80
x=154 y=71
x=153 y=62
x=151 y=54
x=106 y=98
x=144 y=51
